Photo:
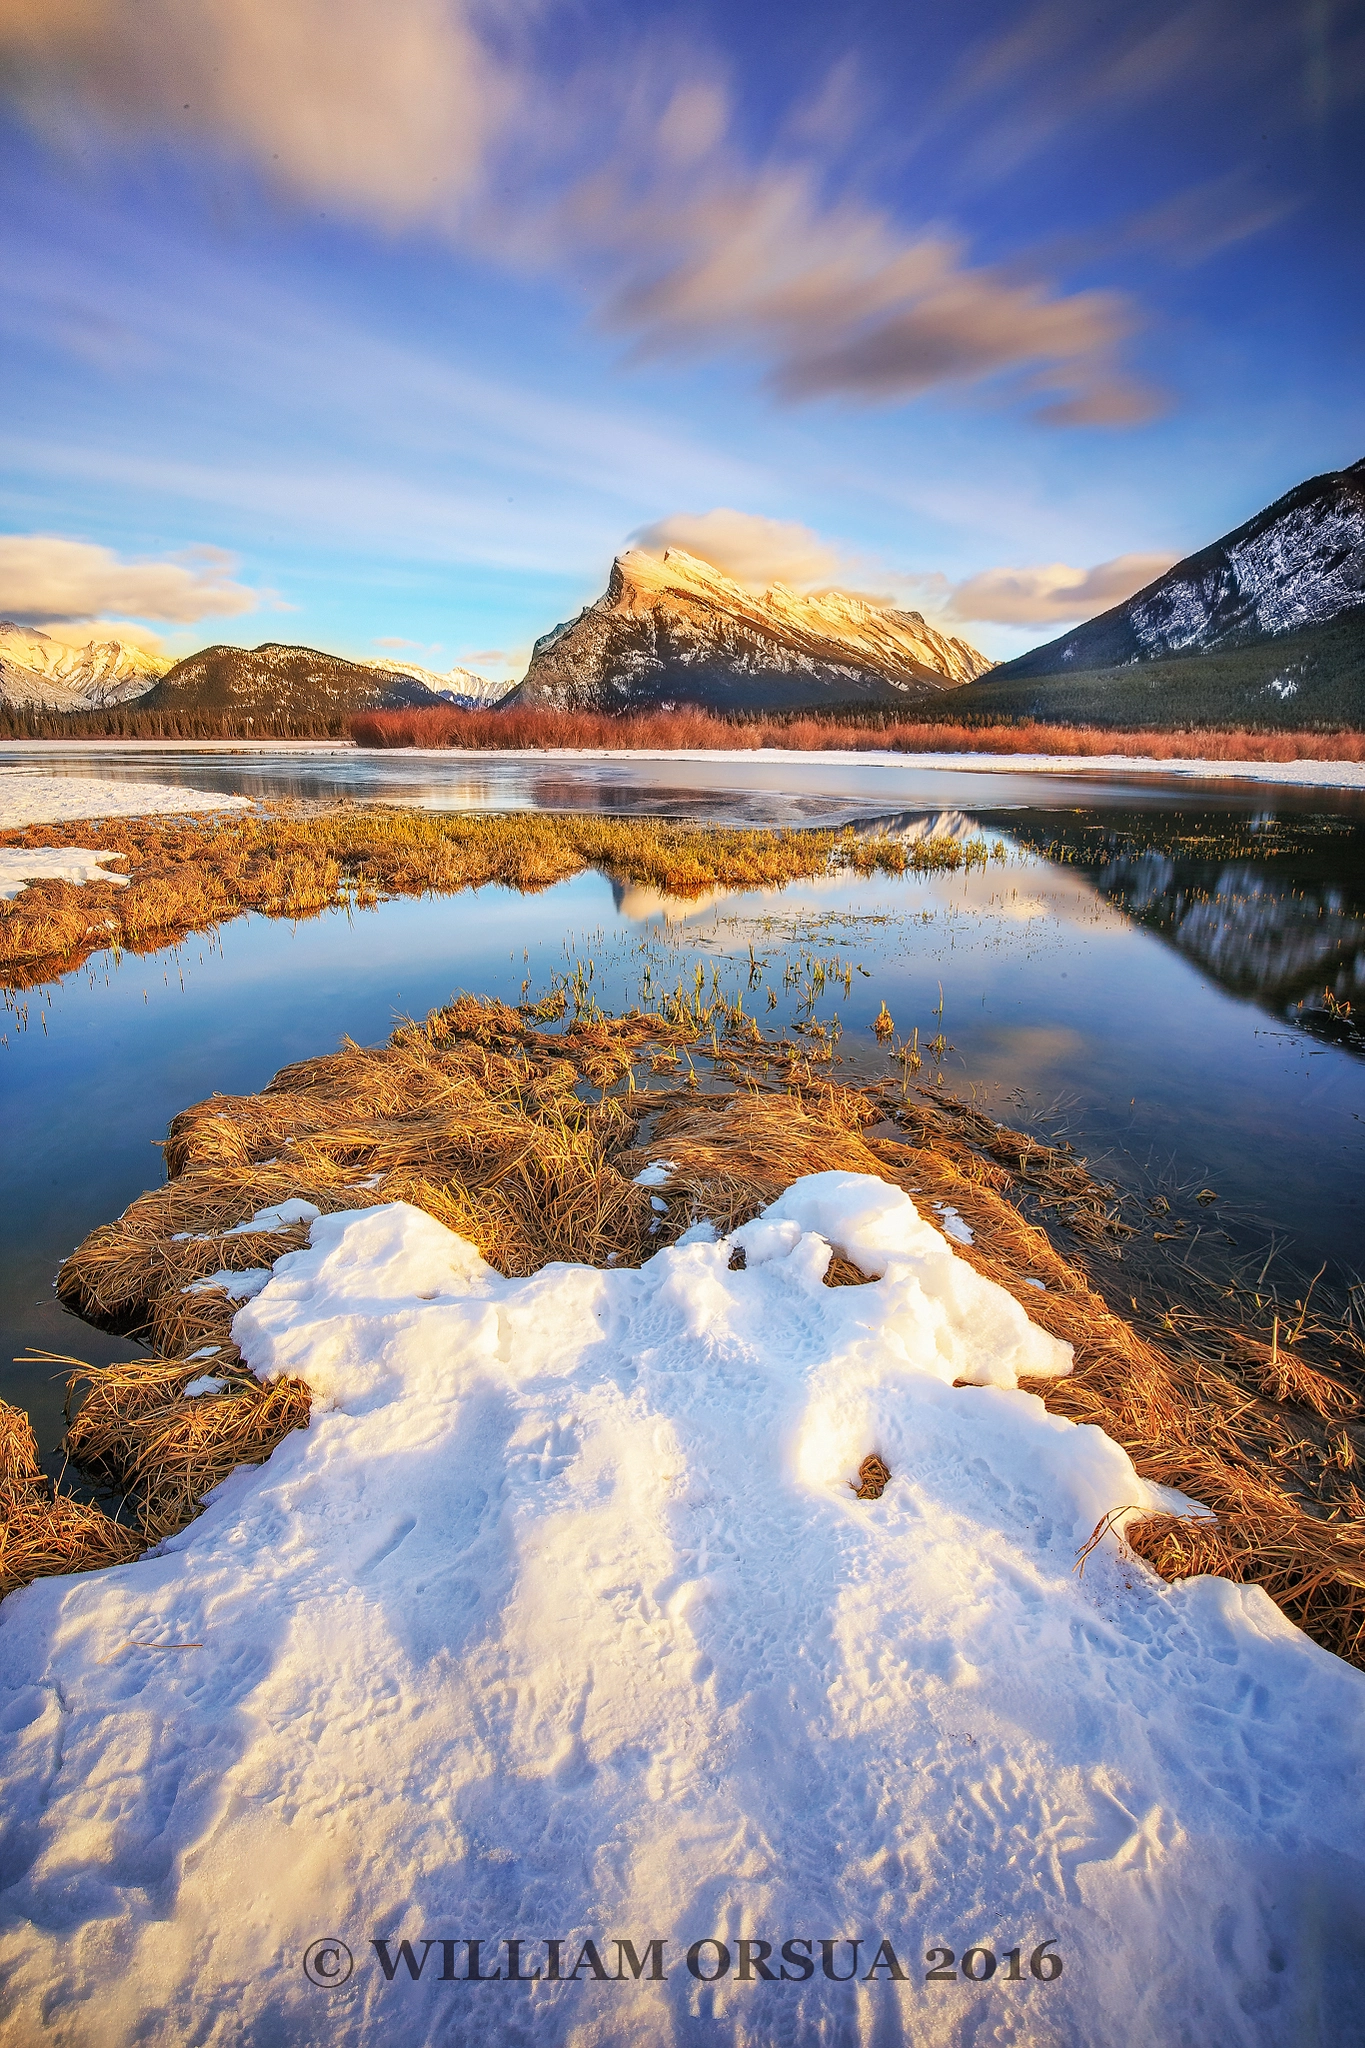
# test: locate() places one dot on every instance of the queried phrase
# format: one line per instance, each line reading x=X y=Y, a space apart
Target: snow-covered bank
x=560 y=1625
x=48 y=799
x=1293 y=774
x=1290 y=774
x=79 y=864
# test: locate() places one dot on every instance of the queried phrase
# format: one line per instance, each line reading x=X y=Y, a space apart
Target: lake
x=1169 y=976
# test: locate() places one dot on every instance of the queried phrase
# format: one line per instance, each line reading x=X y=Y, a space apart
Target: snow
x=27 y=799
x=205 y=1384
x=657 y=1174
x=280 y=1216
x=21 y=865
x=560 y=1624
x=956 y=1227
x=237 y=1286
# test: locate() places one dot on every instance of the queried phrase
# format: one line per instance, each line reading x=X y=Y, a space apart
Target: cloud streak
x=427 y=114
x=45 y=578
x=1053 y=593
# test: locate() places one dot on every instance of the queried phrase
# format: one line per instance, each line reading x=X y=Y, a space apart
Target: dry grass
x=190 y=874
x=480 y=1117
x=44 y=1534
x=874 y=1475
x=692 y=729
x=137 y=1432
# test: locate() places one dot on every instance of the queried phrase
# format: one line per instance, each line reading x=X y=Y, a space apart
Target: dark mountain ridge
x=258 y=683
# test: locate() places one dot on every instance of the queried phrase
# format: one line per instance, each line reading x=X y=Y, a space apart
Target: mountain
x=39 y=671
x=1315 y=677
x=1300 y=563
x=458 y=686
x=673 y=629
x=258 y=684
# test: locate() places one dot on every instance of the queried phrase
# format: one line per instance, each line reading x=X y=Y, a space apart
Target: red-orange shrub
x=693 y=730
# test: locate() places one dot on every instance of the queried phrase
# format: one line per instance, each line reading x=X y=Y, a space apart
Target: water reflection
x=744 y=788
x=1283 y=921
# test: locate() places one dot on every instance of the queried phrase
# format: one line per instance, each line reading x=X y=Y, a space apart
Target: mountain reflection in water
x=1270 y=908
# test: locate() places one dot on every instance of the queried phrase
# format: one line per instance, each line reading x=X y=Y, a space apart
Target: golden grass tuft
x=874 y=1476
x=137 y=1432
x=44 y=1534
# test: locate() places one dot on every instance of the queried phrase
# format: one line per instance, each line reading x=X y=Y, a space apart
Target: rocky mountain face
x=259 y=683
x=458 y=686
x=38 y=671
x=674 y=630
x=1298 y=564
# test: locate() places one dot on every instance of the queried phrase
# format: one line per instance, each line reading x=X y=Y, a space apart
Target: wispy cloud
x=1052 y=593
x=629 y=176
x=46 y=577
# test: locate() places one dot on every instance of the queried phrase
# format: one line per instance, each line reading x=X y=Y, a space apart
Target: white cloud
x=44 y=576
x=1052 y=593
x=753 y=550
x=83 y=631
x=625 y=175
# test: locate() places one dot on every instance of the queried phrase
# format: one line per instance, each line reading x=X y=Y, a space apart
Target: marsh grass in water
x=193 y=874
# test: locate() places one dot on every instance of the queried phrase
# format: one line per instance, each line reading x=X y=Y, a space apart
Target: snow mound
x=32 y=799
x=21 y=865
x=559 y=1632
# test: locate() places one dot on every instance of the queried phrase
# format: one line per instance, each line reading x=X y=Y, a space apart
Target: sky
x=382 y=325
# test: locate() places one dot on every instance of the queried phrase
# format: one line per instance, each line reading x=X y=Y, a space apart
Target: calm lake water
x=1141 y=968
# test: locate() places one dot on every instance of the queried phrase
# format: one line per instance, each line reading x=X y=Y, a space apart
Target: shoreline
x=1290 y=774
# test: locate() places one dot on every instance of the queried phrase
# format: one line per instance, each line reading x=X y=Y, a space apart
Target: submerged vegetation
x=190 y=874
x=937 y=730
x=527 y=1141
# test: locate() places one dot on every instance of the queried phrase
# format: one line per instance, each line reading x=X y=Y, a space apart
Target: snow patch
x=237 y=1286
x=21 y=865
x=955 y=1226
x=28 y=799
x=278 y=1217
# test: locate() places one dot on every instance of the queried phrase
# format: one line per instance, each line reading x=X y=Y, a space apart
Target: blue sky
x=362 y=324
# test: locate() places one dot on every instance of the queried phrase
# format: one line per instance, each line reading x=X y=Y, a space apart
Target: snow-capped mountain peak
x=457 y=685
x=42 y=672
x=672 y=628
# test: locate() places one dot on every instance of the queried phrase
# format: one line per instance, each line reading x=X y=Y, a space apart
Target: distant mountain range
x=672 y=629
x=1266 y=625
x=458 y=686
x=38 y=670
x=253 y=683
